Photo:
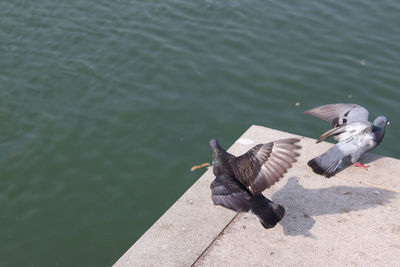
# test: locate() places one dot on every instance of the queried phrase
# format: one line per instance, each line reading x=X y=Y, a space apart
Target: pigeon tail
x=327 y=163
x=267 y=212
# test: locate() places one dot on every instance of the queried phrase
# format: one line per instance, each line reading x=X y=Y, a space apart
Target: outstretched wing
x=339 y=114
x=265 y=164
x=228 y=192
x=347 y=131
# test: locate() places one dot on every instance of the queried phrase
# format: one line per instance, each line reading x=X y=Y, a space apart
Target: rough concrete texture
x=352 y=218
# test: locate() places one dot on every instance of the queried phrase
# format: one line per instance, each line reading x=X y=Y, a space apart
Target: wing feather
x=339 y=114
x=347 y=131
x=265 y=164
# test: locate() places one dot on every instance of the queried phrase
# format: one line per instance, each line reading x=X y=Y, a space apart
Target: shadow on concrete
x=369 y=157
x=302 y=204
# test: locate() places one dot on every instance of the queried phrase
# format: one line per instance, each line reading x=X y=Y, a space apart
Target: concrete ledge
x=352 y=218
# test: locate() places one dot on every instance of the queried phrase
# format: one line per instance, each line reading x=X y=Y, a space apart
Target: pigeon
x=353 y=131
x=240 y=181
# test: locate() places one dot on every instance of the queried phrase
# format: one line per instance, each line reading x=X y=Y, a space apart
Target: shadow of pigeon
x=365 y=160
x=302 y=204
x=369 y=157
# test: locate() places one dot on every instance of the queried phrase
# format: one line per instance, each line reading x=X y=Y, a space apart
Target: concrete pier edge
x=353 y=218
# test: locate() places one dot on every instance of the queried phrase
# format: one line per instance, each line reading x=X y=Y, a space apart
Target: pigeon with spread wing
x=353 y=131
x=240 y=181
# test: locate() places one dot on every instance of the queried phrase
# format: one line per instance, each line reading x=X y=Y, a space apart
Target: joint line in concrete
x=212 y=242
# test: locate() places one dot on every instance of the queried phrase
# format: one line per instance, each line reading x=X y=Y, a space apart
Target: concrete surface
x=351 y=219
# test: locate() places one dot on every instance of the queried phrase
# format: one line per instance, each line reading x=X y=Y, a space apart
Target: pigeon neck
x=379 y=133
x=216 y=157
x=220 y=162
x=219 y=156
x=376 y=129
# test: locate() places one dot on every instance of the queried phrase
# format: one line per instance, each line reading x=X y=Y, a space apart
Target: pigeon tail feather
x=267 y=212
x=327 y=163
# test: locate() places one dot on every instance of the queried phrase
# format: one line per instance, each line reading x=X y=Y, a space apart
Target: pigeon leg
x=358 y=164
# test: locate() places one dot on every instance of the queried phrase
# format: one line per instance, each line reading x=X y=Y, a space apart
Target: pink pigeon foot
x=357 y=164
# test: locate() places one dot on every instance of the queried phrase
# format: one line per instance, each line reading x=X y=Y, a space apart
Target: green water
x=105 y=105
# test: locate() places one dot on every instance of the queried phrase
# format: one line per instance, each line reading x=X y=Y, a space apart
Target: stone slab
x=352 y=218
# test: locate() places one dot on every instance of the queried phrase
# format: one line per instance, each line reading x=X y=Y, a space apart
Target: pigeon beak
x=388 y=123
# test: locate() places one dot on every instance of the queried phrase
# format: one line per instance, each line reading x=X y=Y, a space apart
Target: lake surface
x=106 y=105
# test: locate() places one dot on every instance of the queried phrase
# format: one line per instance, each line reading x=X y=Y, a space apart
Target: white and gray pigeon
x=240 y=181
x=353 y=131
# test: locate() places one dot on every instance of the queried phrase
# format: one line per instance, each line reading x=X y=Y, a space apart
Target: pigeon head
x=214 y=144
x=381 y=122
x=379 y=128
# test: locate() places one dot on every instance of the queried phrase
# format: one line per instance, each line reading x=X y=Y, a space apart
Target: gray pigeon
x=240 y=181
x=354 y=133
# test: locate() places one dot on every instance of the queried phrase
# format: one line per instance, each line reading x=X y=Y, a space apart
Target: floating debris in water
x=195 y=167
x=297 y=104
x=363 y=61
